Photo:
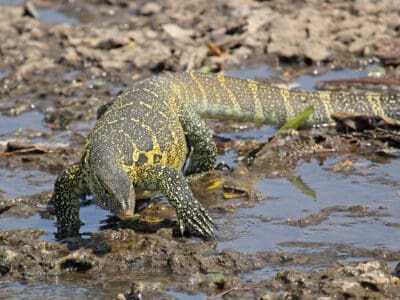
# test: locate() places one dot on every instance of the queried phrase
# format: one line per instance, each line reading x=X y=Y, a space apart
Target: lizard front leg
x=68 y=187
x=173 y=185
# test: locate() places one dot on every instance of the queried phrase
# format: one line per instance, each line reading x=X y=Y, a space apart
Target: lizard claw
x=198 y=219
x=181 y=226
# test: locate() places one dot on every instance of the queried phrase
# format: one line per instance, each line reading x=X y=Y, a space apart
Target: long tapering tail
x=224 y=97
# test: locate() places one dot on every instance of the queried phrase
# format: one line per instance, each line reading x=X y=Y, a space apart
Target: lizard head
x=112 y=190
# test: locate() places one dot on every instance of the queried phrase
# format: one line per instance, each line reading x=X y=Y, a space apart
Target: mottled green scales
x=138 y=146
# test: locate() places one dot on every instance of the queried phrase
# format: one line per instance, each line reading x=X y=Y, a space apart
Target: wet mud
x=302 y=214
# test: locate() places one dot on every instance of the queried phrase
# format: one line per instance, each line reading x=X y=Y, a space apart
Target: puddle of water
x=262 y=134
x=33 y=120
x=35 y=221
x=307 y=82
x=249 y=234
x=3 y=74
x=79 y=290
x=21 y=182
x=55 y=16
x=52 y=15
x=92 y=215
x=270 y=272
x=251 y=73
x=27 y=120
x=53 y=291
x=11 y=2
x=180 y=295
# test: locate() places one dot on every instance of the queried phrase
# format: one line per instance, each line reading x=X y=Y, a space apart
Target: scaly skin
x=138 y=145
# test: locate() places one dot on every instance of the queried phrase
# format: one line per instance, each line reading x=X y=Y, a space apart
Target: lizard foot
x=197 y=218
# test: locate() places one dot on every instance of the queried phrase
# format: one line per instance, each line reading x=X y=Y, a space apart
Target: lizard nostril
x=126 y=204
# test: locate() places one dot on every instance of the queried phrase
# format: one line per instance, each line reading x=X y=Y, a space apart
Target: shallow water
x=54 y=16
x=48 y=291
x=22 y=182
x=28 y=120
x=305 y=81
x=3 y=74
x=51 y=15
x=374 y=185
x=11 y=2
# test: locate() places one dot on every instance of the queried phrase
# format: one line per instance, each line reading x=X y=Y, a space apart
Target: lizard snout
x=125 y=214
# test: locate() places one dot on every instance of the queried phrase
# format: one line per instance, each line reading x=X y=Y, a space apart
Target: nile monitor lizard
x=139 y=143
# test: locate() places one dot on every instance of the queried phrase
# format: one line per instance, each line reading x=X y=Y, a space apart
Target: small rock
x=71 y=57
x=30 y=10
x=258 y=19
x=79 y=260
x=113 y=42
x=388 y=49
x=7 y=258
x=35 y=66
x=361 y=280
x=176 y=32
x=292 y=277
x=150 y=8
x=121 y=296
x=397 y=270
x=121 y=3
x=316 y=51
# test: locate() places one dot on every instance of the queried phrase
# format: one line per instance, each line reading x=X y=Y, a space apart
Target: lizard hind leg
x=173 y=185
x=204 y=153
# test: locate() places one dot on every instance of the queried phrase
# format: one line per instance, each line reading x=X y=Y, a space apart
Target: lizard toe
x=202 y=223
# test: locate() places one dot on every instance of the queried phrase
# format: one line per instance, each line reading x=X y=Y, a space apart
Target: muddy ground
x=65 y=59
